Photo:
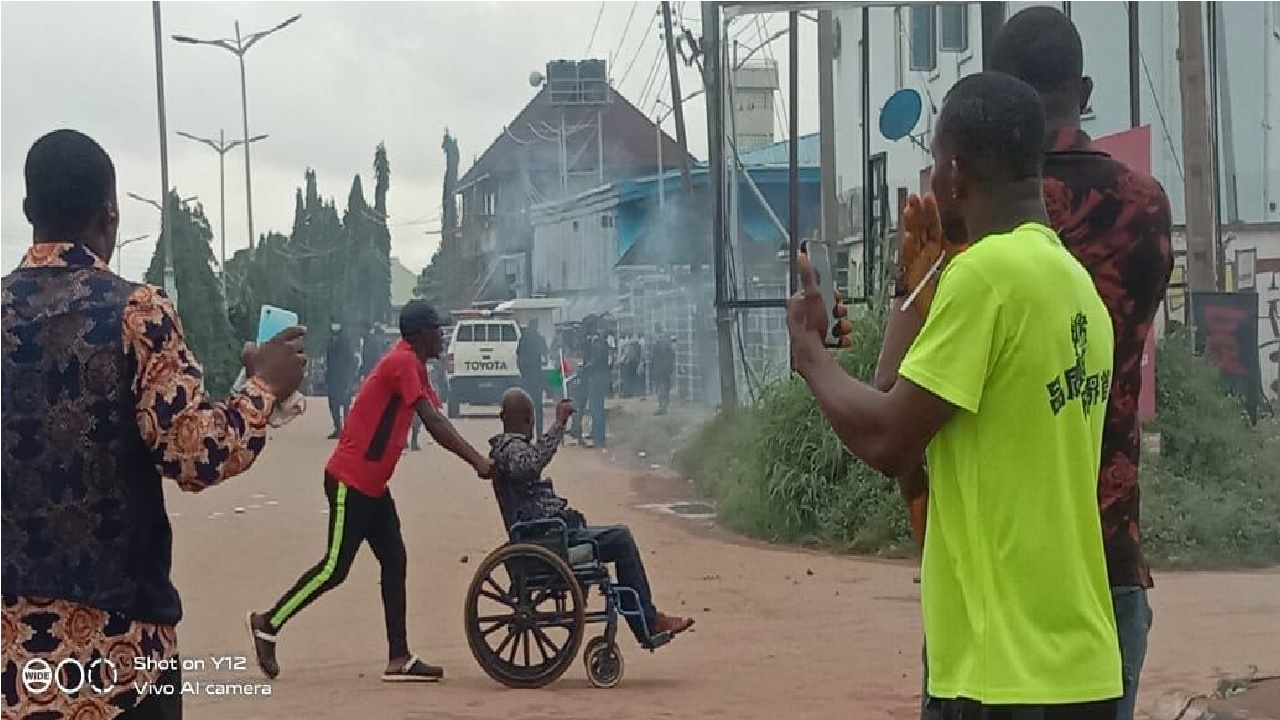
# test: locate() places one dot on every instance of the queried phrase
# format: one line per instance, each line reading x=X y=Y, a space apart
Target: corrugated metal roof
x=779 y=153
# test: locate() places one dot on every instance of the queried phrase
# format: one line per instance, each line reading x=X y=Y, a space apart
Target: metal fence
x=681 y=304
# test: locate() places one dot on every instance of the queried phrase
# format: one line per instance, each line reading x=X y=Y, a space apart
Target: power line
x=623 y=39
x=652 y=19
x=587 y=53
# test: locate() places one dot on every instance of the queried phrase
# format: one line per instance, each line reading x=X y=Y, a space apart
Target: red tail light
x=449 y=363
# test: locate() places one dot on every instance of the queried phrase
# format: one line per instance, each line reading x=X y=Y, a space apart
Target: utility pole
x=827 y=127
x=1197 y=149
x=170 y=281
x=1133 y=19
x=793 y=154
x=713 y=79
x=677 y=107
x=677 y=100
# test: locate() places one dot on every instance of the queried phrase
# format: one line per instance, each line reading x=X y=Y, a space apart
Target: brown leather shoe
x=672 y=625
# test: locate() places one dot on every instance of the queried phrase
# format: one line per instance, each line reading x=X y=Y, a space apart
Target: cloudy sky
x=326 y=90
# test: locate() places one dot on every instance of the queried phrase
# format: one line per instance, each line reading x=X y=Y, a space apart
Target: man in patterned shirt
x=102 y=399
x=1117 y=223
x=523 y=495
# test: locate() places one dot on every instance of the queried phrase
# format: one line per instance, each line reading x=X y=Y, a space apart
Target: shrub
x=779 y=473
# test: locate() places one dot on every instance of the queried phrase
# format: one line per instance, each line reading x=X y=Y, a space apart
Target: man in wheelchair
x=523 y=496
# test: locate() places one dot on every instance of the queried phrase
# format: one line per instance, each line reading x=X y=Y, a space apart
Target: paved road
x=781 y=633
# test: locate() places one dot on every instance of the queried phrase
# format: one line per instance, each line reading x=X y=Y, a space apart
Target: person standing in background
x=435 y=371
x=340 y=368
x=1117 y=222
x=662 y=368
x=595 y=374
x=102 y=399
x=531 y=356
x=372 y=348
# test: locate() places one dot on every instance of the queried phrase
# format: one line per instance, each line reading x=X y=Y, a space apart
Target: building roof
x=779 y=153
x=629 y=135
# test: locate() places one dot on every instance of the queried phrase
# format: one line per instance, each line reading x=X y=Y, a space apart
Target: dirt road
x=780 y=634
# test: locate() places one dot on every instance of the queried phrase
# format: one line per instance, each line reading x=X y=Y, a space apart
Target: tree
x=434 y=283
x=200 y=304
x=431 y=281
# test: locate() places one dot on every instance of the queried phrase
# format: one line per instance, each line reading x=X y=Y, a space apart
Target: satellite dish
x=535 y=79
x=900 y=114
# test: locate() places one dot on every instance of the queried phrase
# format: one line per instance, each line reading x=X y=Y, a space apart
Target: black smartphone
x=820 y=258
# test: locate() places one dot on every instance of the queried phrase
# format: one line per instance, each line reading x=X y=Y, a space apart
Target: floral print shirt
x=194 y=440
x=1117 y=223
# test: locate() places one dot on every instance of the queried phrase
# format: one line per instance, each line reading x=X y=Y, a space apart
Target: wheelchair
x=526 y=610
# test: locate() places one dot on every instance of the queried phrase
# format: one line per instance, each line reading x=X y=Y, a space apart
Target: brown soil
x=780 y=633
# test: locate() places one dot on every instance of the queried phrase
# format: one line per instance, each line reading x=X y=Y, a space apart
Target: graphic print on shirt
x=1076 y=382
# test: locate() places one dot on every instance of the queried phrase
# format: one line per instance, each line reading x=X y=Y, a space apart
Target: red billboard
x=1133 y=148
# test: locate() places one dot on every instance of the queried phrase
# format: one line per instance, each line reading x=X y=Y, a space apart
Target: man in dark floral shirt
x=523 y=495
x=1117 y=223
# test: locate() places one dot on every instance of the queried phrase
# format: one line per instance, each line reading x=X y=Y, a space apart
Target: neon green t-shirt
x=1017 y=609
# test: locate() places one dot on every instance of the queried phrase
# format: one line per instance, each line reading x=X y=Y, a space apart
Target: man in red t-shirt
x=360 y=505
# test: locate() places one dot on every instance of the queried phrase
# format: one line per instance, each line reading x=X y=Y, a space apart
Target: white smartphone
x=273 y=320
x=820 y=258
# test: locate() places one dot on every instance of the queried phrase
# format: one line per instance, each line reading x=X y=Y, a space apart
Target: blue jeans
x=1133 y=622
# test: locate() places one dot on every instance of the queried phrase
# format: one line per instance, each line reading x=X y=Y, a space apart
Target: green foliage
x=430 y=285
x=1212 y=495
x=329 y=267
x=200 y=305
x=779 y=473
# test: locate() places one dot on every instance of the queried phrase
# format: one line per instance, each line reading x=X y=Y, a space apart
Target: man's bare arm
x=889 y=431
x=446 y=434
x=900 y=330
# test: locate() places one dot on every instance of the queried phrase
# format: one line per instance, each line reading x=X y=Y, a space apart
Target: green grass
x=778 y=472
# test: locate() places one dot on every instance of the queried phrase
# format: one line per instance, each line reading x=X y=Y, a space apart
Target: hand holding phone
x=273 y=320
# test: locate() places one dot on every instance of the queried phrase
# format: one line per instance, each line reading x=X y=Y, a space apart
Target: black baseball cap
x=416 y=316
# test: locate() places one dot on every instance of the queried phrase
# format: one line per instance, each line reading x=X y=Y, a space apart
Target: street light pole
x=239 y=47
x=166 y=221
x=244 y=115
x=222 y=147
x=120 y=255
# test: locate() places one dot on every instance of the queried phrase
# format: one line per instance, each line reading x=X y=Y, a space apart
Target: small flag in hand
x=557 y=376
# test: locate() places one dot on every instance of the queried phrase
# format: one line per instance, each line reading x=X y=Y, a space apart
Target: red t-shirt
x=377 y=426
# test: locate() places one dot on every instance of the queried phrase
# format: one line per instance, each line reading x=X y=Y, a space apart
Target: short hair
x=995 y=125
x=70 y=180
x=1040 y=46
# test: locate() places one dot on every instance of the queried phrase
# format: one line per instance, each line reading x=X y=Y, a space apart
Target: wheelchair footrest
x=657 y=641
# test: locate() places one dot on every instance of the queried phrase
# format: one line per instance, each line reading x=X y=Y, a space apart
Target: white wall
x=569 y=258
x=1251 y=51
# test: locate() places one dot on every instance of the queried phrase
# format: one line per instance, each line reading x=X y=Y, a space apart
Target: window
x=953 y=27
x=606 y=221
x=924 y=38
x=466 y=333
x=508 y=333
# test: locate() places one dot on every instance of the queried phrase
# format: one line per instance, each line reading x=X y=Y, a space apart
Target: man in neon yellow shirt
x=1006 y=386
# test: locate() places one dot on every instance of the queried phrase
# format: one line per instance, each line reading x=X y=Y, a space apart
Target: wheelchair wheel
x=524 y=616
x=604 y=663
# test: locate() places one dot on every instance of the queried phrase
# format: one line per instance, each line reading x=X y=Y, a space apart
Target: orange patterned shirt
x=179 y=422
